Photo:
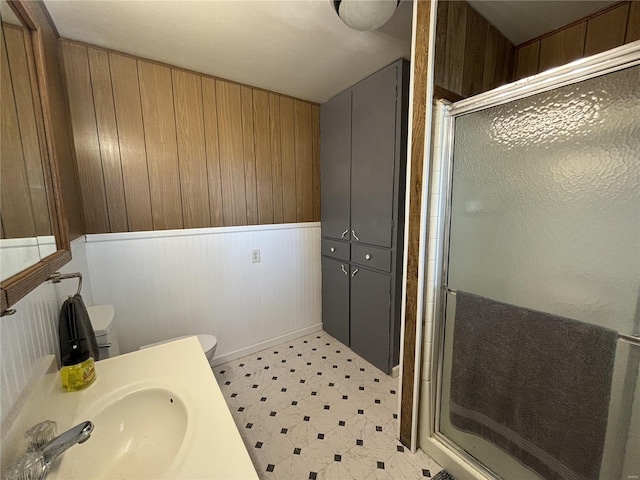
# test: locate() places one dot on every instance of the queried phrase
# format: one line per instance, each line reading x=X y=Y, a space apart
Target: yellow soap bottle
x=78 y=371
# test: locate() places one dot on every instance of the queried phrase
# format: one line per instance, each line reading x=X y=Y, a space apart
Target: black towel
x=536 y=385
x=74 y=308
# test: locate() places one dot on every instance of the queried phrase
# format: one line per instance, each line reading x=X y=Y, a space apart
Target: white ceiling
x=522 y=20
x=297 y=47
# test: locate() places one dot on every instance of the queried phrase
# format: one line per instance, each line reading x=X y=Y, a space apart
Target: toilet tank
x=102 y=321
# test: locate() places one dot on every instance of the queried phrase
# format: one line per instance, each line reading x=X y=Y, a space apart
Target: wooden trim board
x=416 y=151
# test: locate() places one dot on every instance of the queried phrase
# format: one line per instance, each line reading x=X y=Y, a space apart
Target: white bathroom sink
x=158 y=413
x=136 y=436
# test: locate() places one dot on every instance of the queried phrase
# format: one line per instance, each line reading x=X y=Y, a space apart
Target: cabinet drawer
x=339 y=250
x=371 y=257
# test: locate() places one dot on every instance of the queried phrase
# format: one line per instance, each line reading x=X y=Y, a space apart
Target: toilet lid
x=101 y=317
x=208 y=342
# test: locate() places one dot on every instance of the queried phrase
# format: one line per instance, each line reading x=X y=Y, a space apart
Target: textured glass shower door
x=545 y=214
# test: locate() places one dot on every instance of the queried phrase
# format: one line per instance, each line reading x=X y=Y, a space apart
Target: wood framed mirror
x=34 y=239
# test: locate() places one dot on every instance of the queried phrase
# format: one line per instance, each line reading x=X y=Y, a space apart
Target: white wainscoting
x=26 y=337
x=32 y=332
x=166 y=284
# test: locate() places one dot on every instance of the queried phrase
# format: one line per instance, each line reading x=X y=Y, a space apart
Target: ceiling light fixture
x=365 y=15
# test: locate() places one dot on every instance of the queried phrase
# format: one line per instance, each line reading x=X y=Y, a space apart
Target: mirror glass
x=26 y=225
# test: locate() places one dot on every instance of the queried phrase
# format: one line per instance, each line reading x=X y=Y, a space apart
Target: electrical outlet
x=255 y=256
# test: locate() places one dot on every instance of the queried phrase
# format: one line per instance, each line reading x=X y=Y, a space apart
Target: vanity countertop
x=158 y=413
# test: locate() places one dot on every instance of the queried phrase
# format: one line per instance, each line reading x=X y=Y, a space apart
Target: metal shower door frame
x=604 y=63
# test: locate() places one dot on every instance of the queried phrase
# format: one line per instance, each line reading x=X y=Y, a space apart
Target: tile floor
x=313 y=409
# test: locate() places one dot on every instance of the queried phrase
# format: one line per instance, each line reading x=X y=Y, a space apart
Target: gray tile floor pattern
x=313 y=409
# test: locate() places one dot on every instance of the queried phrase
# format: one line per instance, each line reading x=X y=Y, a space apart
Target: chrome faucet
x=56 y=447
x=35 y=464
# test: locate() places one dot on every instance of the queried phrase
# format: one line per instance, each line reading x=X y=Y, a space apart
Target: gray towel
x=536 y=385
x=74 y=307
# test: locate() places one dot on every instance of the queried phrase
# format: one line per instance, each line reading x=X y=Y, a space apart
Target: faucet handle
x=28 y=466
x=39 y=435
x=35 y=464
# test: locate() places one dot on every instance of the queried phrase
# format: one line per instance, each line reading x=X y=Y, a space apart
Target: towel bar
x=632 y=339
x=58 y=277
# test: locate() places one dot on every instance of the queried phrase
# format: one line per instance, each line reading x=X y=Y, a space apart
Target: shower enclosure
x=541 y=209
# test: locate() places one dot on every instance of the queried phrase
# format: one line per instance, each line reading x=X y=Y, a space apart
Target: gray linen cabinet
x=363 y=172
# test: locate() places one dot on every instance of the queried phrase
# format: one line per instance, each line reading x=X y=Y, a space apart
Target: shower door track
x=600 y=64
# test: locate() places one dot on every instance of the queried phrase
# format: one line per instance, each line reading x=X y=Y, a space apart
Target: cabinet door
x=335 y=299
x=370 y=316
x=372 y=157
x=335 y=165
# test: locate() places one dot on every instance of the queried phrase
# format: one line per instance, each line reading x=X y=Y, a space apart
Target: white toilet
x=207 y=342
x=101 y=317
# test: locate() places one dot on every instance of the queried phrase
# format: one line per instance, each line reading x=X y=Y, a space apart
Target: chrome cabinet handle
x=353 y=232
x=344 y=270
x=106 y=345
x=355 y=271
x=345 y=232
x=333 y=249
x=367 y=257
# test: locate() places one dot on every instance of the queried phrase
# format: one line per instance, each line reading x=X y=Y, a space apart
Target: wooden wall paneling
x=108 y=139
x=85 y=138
x=471 y=56
x=304 y=171
x=287 y=138
x=441 y=43
x=474 y=53
x=26 y=114
x=315 y=152
x=133 y=153
x=440 y=93
x=504 y=55
x=229 y=106
x=491 y=58
x=192 y=156
x=262 y=132
x=609 y=28
x=249 y=155
x=505 y=70
x=15 y=203
x=562 y=47
x=633 y=23
x=606 y=31
x=210 y=113
x=158 y=116
x=196 y=151
x=455 y=49
x=276 y=156
x=527 y=61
